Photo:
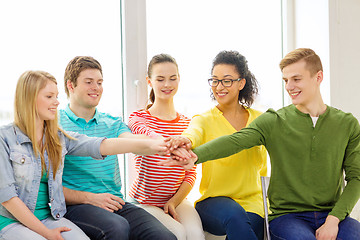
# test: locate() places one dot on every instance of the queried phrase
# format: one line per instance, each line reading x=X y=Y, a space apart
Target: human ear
x=319 y=76
x=242 y=84
x=69 y=86
x=148 y=80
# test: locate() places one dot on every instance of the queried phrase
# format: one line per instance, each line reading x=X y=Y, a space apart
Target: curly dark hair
x=248 y=93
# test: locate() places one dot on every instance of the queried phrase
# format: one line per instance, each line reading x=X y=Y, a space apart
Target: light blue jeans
x=17 y=231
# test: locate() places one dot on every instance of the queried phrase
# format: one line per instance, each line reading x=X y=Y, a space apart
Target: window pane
x=193 y=32
x=46 y=35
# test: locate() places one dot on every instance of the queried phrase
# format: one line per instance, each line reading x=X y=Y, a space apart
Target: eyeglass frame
x=221 y=80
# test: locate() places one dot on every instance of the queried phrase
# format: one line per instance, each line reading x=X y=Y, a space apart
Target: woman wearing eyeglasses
x=231 y=201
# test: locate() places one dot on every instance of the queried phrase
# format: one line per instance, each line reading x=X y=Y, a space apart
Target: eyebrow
x=228 y=75
x=293 y=76
x=88 y=78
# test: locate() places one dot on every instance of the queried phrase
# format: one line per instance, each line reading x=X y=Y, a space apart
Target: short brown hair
x=76 y=66
x=313 y=62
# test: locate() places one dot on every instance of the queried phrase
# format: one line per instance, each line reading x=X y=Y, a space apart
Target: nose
x=57 y=102
x=95 y=86
x=289 y=85
x=220 y=86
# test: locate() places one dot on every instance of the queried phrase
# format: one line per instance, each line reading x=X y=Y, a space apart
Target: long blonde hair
x=27 y=90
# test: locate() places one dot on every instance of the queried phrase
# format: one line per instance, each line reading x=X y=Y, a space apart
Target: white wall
x=306 y=25
x=344 y=38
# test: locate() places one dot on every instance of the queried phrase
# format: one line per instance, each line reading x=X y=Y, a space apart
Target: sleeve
x=190 y=176
x=137 y=125
x=82 y=145
x=7 y=179
x=264 y=169
x=351 y=193
x=253 y=135
x=195 y=131
x=121 y=127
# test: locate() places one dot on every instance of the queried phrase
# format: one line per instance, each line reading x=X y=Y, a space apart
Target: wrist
x=332 y=219
x=88 y=197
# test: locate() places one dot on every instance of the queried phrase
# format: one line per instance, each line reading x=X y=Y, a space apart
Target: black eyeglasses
x=225 y=82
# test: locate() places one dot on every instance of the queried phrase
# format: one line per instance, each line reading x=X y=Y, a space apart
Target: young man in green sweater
x=310 y=145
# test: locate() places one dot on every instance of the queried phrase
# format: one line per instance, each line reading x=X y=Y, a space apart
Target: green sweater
x=307 y=163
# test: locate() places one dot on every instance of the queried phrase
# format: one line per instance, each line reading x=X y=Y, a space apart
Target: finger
x=118 y=199
x=174 y=214
x=115 y=205
x=64 y=229
x=108 y=209
x=166 y=208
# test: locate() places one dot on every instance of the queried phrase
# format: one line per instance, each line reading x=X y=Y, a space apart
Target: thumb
x=166 y=208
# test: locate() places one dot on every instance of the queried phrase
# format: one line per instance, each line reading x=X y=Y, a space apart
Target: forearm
x=134 y=136
x=228 y=145
x=347 y=200
x=113 y=146
x=73 y=197
x=181 y=193
x=23 y=214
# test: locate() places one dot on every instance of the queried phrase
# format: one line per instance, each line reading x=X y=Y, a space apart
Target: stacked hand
x=180 y=151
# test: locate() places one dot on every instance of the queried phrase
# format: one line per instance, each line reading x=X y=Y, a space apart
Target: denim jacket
x=20 y=170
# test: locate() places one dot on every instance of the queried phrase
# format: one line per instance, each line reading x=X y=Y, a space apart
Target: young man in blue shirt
x=92 y=188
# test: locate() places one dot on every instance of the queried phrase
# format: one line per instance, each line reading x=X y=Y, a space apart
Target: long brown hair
x=27 y=90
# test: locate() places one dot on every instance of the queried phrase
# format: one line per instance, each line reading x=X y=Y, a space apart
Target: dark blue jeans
x=302 y=226
x=224 y=216
x=130 y=222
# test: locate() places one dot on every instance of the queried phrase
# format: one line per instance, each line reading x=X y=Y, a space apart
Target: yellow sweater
x=237 y=176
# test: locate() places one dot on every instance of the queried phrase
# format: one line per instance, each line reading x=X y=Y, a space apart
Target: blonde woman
x=32 y=151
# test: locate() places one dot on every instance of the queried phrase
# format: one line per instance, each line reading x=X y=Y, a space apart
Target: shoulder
x=106 y=117
x=62 y=115
x=211 y=113
x=184 y=118
x=254 y=112
x=5 y=130
x=140 y=113
x=283 y=112
x=341 y=116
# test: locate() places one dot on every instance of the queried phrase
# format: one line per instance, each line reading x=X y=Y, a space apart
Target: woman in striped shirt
x=162 y=190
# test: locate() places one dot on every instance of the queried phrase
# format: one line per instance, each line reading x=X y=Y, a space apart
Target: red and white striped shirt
x=154 y=184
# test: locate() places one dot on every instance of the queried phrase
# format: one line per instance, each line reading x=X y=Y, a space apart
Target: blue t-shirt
x=85 y=173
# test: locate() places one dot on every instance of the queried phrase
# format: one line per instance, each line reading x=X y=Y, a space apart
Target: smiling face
x=302 y=86
x=164 y=80
x=227 y=95
x=88 y=90
x=47 y=102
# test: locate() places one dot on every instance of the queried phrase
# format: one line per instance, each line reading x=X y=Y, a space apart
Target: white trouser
x=189 y=227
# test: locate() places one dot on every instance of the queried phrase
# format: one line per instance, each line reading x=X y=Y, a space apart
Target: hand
x=169 y=208
x=55 y=234
x=106 y=201
x=185 y=163
x=154 y=146
x=175 y=142
x=329 y=230
x=181 y=154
